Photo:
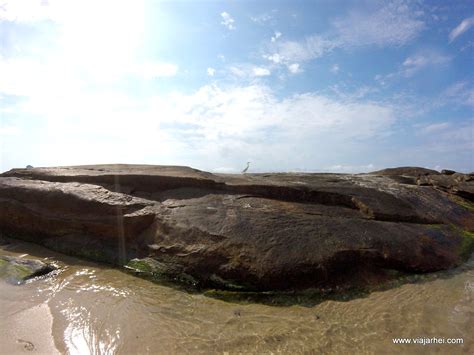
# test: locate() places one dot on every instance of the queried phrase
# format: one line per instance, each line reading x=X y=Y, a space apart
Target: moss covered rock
x=17 y=270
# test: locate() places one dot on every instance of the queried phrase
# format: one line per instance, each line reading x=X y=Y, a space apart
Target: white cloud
x=342 y=168
x=213 y=127
x=335 y=68
x=276 y=36
x=435 y=127
x=421 y=60
x=294 y=68
x=245 y=111
x=413 y=64
x=465 y=25
x=248 y=71
x=211 y=71
x=261 y=71
x=225 y=170
x=261 y=19
x=393 y=23
x=460 y=93
x=445 y=142
x=239 y=71
x=300 y=51
x=227 y=21
x=275 y=58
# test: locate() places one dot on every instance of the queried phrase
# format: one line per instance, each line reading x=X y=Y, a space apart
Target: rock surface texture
x=252 y=231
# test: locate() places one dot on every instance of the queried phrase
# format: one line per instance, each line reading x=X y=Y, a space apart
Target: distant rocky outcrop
x=406 y=170
x=447 y=172
x=252 y=231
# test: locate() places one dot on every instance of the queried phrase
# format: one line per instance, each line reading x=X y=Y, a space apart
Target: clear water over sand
x=92 y=308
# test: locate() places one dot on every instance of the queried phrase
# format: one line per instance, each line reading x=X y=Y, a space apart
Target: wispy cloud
x=415 y=63
x=461 y=93
x=435 y=127
x=465 y=25
x=248 y=109
x=421 y=60
x=262 y=18
x=335 y=68
x=232 y=123
x=311 y=47
x=393 y=23
x=227 y=21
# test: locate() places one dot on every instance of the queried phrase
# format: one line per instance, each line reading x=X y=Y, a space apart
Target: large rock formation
x=253 y=231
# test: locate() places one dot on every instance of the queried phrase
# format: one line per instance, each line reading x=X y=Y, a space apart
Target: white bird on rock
x=246 y=168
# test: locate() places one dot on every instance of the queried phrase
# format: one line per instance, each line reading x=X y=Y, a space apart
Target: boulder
x=246 y=232
x=457 y=184
x=17 y=270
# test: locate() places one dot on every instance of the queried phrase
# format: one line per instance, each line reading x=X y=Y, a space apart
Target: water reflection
x=100 y=310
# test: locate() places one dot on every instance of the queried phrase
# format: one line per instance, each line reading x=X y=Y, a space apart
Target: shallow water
x=92 y=308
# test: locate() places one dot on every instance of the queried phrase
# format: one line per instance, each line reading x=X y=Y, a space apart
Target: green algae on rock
x=17 y=270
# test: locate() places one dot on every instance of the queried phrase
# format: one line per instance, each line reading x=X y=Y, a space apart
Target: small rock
x=28 y=345
x=17 y=270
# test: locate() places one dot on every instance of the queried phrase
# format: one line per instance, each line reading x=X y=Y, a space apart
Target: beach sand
x=26 y=326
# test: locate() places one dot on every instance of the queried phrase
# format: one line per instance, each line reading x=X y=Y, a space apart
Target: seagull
x=247 y=168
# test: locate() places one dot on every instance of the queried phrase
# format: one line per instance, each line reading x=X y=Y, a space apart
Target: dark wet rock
x=244 y=232
x=447 y=172
x=3 y=240
x=17 y=270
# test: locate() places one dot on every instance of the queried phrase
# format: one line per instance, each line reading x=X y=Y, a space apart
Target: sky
x=331 y=86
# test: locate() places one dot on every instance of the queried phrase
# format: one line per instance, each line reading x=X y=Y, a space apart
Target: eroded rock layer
x=253 y=231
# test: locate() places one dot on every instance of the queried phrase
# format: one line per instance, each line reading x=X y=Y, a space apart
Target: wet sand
x=97 y=309
x=27 y=324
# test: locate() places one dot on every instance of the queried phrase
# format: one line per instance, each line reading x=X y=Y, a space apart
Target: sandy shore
x=26 y=326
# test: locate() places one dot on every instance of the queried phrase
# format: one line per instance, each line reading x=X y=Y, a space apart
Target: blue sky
x=342 y=86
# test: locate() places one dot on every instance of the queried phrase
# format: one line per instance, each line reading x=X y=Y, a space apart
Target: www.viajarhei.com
x=428 y=341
